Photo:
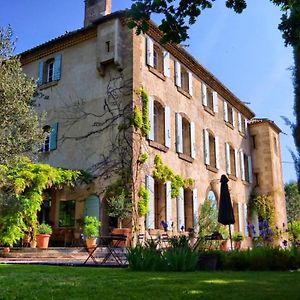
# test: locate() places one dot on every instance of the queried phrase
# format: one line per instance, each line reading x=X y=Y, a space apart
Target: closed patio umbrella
x=226 y=216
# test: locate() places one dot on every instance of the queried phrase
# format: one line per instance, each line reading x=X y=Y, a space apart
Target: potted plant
x=225 y=236
x=120 y=207
x=237 y=238
x=43 y=235
x=91 y=231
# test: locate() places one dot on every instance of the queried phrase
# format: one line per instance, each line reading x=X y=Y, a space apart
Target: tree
x=178 y=16
x=20 y=130
x=292 y=197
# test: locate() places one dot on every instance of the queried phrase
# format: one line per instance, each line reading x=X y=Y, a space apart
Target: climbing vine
x=165 y=173
x=143 y=205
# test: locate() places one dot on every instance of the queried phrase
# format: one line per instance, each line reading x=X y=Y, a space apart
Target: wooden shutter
x=195 y=210
x=206 y=147
x=217 y=149
x=236 y=163
x=57 y=67
x=150 y=216
x=246 y=125
x=150 y=55
x=40 y=80
x=166 y=55
x=246 y=220
x=53 y=137
x=215 y=102
x=167 y=127
x=190 y=83
x=92 y=206
x=180 y=210
x=250 y=169
x=241 y=215
x=169 y=216
x=179 y=144
x=225 y=111
x=178 y=73
x=240 y=122
x=151 y=118
x=233 y=116
x=204 y=94
x=227 y=157
x=242 y=165
x=193 y=140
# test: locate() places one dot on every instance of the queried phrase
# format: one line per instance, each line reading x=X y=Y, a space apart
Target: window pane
x=66 y=213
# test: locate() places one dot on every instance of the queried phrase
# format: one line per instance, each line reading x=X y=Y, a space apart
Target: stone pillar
x=95 y=9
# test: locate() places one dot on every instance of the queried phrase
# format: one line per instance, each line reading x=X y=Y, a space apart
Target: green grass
x=54 y=282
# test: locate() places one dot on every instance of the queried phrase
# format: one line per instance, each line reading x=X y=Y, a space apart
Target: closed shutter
x=227 y=157
x=150 y=215
x=166 y=55
x=57 y=67
x=169 y=215
x=246 y=220
x=195 y=210
x=236 y=163
x=149 y=55
x=193 y=140
x=215 y=102
x=92 y=206
x=151 y=118
x=225 y=111
x=204 y=94
x=240 y=122
x=179 y=144
x=206 y=147
x=177 y=73
x=167 y=127
x=180 y=210
x=190 y=83
x=217 y=150
x=242 y=165
x=233 y=116
x=241 y=216
x=40 y=80
x=250 y=169
x=53 y=137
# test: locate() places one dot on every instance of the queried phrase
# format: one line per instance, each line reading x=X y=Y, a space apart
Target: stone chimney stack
x=95 y=9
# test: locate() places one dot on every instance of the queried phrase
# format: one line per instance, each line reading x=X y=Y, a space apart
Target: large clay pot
x=5 y=250
x=91 y=243
x=42 y=240
x=125 y=231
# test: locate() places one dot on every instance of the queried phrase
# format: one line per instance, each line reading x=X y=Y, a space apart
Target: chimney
x=95 y=9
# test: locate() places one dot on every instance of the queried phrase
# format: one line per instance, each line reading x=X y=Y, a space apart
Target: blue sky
x=246 y=52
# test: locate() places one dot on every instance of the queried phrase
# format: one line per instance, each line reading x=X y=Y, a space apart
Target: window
x=66 y=213
x=242 y=124
x=183 y=79
x=159 y=203
x=256 y=176
x=158 y=61
x=211 y=150
x=50 y=143
x=246 y=167
x=246 y=162
x=186 y=137
x=253 y=137
x=49 y=70
x=210 y=102
x=159 y=123
x=188 y=209
x=231 y=160
x=209 y=99
x=275 y=145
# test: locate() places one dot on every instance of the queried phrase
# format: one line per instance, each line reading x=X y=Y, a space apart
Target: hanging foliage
x=143 y=205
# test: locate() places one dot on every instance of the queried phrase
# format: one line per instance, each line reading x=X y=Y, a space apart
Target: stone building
x=89 y=82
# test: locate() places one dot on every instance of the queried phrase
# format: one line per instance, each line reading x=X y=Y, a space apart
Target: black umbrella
x=226 y=216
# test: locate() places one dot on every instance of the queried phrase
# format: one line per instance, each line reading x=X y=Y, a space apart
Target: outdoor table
x=111 y=243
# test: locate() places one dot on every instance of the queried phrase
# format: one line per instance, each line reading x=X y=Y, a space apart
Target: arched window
x=159 y=123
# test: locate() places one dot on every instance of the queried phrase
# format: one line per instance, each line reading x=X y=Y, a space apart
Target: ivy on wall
x=165 y=173
x=264 y=206
x=143 y=205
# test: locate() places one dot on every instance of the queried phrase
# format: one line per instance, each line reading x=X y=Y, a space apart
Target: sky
x=244 y=51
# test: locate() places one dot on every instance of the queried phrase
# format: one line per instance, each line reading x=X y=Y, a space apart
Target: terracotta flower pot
x=125 y=231
x=91 y=242
x=6 y=250
x=42 y=240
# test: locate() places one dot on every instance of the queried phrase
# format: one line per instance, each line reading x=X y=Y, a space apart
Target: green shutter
x=53 y=136
x=92 y=206
x=57 y=67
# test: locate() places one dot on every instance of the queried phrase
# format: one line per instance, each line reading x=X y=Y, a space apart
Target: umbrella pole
x=230 y=237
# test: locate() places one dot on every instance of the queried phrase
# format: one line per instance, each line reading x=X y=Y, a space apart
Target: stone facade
x=198 y=127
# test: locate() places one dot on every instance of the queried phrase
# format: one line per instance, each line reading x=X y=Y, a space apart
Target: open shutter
x=53 y=137
x=242 y=165
x=57 y=67
x=246 y=125
x=193 y=140
x=151 y=118
x=150 y=215
x=236 y=163
x=225 y=111
x=246 y=220
x=227 y=157
x=149 y=56
x=241 y=215
x=195 y=210
x=40 y=73
x=215 y=102
x=167 y=127
x=178 y=73
x=240 y=122
x=180 y=211
x=233 y=116
x=250 y=169
x=169 y=217
x=179 y=144
x=190 y=83
x=217 y=149
x=204 y=94
x=206 y=147
x=166 y=55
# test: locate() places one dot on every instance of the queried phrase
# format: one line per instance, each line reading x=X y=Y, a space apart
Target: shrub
x=180 y=259
x=91 y=228
x=44 y=229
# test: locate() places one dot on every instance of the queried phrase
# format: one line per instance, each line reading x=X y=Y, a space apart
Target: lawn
x=56 y=282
